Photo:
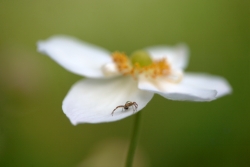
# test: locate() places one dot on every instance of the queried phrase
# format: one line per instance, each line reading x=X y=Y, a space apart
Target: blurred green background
x=34 y=132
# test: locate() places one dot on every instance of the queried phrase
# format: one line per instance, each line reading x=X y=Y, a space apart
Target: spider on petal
x=128 y=104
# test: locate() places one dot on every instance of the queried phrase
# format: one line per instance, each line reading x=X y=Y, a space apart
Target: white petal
x=93 y=100
x=206 y=81
x=177 y=56
x=76 y=56
x=110 y=70
x=176 y=91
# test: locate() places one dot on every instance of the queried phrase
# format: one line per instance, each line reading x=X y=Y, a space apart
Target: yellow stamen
x=159 y=68
x=122 y=62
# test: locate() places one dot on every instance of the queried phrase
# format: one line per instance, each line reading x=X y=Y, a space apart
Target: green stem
x=133 y=141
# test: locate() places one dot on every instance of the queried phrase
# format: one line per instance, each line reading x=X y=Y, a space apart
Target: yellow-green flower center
x=141 y=63
x=141 y=57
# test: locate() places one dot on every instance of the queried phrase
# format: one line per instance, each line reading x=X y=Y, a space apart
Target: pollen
x=156 y=69
x=122 y=62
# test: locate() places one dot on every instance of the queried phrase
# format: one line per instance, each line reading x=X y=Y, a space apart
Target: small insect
x=134 y=105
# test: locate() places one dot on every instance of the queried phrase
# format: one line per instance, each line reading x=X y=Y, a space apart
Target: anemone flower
x=114 y=80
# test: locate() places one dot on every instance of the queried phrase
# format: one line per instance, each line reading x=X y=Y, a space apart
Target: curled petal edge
x=176 y=91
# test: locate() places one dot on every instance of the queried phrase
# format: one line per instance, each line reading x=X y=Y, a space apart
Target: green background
x=34 y=132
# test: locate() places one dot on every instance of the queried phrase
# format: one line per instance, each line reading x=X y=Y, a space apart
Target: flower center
x=141 y=63
x=141 y=57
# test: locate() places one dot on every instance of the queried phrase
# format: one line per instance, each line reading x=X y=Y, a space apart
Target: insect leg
x=115 y=109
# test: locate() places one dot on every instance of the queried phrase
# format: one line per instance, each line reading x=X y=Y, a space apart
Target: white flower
x=113 y=79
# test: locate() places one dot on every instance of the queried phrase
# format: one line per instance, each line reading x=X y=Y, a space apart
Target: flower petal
x=206 y=81
x=93 y=100
x=76 y=56
x=176 y=91
x=177 y=56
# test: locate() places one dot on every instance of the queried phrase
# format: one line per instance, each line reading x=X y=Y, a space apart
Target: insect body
x=128 y=104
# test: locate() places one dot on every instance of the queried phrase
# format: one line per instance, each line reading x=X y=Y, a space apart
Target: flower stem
x=133 y=141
